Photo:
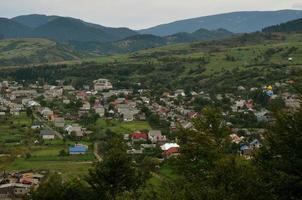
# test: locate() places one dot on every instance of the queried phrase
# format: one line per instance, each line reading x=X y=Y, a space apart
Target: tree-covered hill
x=34 y=20
x=67 y=29
x=291 y=26
x=19 y=52
x=145 y=41
x=12 y=29
x=61 y=29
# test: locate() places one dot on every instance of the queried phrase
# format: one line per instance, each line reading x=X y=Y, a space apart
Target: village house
x=68 y=88
x=66 y=100
x=291 y=101
x=128 y=116
x=24 y=93
x=238 y=106
x=75 y=129
x=47 y=134
x=81 y=95
x=15 y=108
x=235 y=138
x=59 y=122
x=86 y=106
x=246 y=150
x=155 y=136
x=36 y=125
x=135 y=151
x=263 y=115
x=46 y=113
x=102 y=84
x=138 y=136
x=179 y=93
x=53 y=92
x=170 y=149
x=33 y=104
x=100 y=110
x=14 y=190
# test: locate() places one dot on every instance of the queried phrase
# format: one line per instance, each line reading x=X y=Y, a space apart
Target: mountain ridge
x=237 y=22
x=60 y=29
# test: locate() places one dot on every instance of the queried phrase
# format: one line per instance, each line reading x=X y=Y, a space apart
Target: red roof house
x=138 y=136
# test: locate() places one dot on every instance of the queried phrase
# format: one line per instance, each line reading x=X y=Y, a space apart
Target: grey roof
x=47 y=132
x=154 y=132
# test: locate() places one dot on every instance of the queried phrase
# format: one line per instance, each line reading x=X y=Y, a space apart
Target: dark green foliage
x=116 y=174
x=208 y=170
x=12 y=29
x=281 y=159
x=68 y=29
x=60 y=29
x=291 y=26
x=199 y=35
x=55 y=188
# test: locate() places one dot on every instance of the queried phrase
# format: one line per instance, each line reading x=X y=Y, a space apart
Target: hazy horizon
x=146 y=14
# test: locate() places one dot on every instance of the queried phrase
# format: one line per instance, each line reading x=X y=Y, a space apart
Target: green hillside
x=199 y=35
x=141 y=42
x=250 y=60
x=16 y=52
x=68 y=29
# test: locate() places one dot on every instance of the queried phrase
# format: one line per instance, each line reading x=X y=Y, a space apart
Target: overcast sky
x=138 y=14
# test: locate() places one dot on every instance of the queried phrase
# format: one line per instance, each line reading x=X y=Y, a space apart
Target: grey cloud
x=297 y=6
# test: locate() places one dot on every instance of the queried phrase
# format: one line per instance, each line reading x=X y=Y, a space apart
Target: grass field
x=68 y=169
x=47 y=158
x=14 y=128
x=165 y=172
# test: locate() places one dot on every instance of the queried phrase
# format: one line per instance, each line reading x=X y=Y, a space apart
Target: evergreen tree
x=116 y=174
x=281 y=157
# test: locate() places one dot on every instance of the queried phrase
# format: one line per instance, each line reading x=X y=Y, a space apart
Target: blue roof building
x=77 y=150
x=244 y=147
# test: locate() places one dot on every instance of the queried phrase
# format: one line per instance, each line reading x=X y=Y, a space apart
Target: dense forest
x=292 y=26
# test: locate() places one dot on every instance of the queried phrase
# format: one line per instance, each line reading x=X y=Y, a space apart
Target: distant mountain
x=291 y=26
x=236 y=22
x=139 y=42
x=68 y=29
x=19 y=52
x=61 y=29
x=34 y=21
x=11 y=29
